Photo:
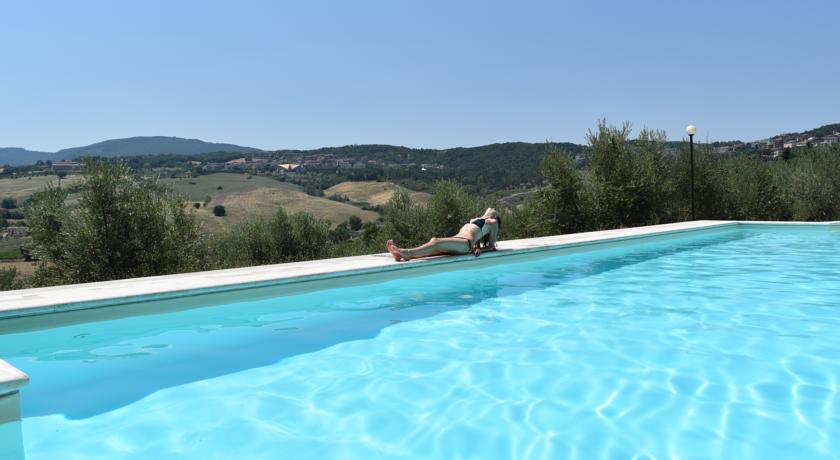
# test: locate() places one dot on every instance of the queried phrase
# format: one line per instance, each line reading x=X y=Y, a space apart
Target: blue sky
x=277 y=74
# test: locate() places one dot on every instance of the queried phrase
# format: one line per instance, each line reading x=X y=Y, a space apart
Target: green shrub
x=122 y=227
x=282 y=238
x=355 y=223
x=9 y=279
x=558 y=207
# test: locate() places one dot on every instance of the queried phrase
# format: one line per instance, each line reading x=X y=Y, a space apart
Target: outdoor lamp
x=691 y=130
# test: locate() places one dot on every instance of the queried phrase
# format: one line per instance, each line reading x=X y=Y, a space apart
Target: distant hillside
x=17 y=156
x=518 y=158
x=818 y=132
x=150 y=145
x=132 y=146
x=500 y=166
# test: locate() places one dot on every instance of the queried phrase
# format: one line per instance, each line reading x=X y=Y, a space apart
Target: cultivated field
x=258 y=196
x=373 y=193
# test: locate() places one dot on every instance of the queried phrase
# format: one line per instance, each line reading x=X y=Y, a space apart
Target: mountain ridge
x=129 y=146
x=154 y=145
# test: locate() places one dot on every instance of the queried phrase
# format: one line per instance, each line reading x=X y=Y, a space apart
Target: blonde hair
x=492 y=213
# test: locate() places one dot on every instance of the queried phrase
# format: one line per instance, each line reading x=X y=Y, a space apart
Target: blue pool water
x=723 y=345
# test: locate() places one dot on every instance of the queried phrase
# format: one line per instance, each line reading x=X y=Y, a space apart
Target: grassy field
x=197 y=188
x=241 y=197
x=23 y=268
x=22 y=188
x=258 y=196
x=374 y=193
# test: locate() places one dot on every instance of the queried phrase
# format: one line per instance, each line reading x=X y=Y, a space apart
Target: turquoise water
x=724 y=345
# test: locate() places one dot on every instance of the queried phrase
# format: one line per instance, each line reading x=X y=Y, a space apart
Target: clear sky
x=311 y=73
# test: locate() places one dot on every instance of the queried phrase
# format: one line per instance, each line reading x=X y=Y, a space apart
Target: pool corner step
x=11 y=381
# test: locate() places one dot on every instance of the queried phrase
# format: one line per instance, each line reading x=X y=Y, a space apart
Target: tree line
x=123 y=226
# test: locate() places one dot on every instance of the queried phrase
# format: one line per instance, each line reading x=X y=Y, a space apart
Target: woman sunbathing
x=469 y=239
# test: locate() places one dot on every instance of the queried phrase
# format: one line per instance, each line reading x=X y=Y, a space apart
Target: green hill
x=16 y=156
x=150 y=145
x=132 y=146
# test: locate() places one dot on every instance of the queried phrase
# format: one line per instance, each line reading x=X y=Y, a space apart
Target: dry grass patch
x=22 y=188
x=374 y=193
x=264 y=203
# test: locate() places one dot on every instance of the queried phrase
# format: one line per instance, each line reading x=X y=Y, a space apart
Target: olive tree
x=118 y=226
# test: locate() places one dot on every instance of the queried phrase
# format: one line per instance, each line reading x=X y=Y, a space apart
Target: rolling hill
x=258 y=196
x=16 y=156
x=373 y=193
x=142 y=145
x=151 y=145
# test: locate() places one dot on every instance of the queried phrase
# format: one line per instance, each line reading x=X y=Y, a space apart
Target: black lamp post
x=691 y=130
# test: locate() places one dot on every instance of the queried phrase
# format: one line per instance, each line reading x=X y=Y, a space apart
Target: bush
x=282 y=238
x=355 y=223
x=197 y=205
x=313 y=190
x=122 y=227
x=814 y=189
x=449 y=208
x=11 y=214
x=340 y=233
x=219 y=211
x=409 y=224
x=9 y=279
x=559 y=207
x=8 y=203
x=405 y=222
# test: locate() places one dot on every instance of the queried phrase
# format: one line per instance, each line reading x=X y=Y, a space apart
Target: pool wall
x=136 y=293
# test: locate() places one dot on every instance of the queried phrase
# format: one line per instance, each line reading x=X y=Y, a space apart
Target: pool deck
x=40 y=301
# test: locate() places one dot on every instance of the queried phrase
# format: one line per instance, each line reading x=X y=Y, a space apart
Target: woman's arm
x=492 y=237
x=490 y=245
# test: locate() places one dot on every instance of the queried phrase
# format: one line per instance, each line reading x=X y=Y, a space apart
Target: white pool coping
x=39 y=301
x=26 y=302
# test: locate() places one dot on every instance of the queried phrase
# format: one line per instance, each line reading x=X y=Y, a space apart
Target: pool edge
x=43 y=301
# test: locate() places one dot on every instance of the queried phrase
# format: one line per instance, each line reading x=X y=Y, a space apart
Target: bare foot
x=392 y=248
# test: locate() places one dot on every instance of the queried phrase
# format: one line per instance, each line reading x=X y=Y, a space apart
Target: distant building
x=214 y=166
x=238 y=163
x=288 y=167
x=260 y=157
x=67 y=166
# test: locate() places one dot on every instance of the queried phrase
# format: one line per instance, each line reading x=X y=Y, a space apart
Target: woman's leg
x=435 y=247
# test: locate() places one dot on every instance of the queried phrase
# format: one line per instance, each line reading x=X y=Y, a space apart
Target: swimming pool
x=719 y=344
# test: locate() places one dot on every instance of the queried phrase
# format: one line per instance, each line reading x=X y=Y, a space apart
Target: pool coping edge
x=42 y=301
